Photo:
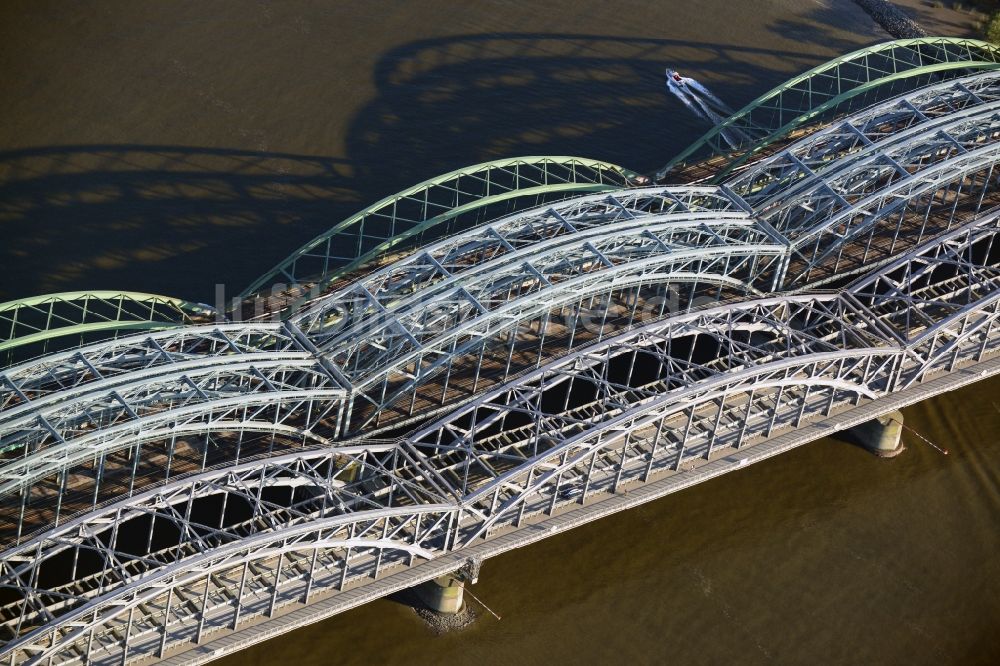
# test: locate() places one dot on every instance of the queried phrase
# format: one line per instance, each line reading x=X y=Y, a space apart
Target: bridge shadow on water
x=177 y=220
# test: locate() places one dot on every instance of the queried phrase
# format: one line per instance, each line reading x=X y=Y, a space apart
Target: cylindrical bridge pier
x=444 y=594
x=882 y=436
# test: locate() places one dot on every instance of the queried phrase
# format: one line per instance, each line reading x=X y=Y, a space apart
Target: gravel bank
x=892 y=20
x=442 y=624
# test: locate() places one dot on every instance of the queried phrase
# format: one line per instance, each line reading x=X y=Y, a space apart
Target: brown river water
x=168 y=147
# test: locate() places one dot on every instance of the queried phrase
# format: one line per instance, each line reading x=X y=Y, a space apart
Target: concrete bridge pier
x=881 y=436
x=444 y=594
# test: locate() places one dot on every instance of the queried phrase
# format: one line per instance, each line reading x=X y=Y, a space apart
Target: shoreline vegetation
x=991 y=27
x=988 y=11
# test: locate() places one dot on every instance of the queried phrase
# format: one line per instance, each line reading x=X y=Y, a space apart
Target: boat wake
x=705 y=104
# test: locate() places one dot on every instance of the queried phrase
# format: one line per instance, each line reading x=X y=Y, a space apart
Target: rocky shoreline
x=441 y=623
x=892 y=19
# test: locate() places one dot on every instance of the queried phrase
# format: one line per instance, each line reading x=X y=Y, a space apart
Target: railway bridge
x=492 y=357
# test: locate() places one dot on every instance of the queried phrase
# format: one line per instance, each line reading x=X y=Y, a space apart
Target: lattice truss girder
x=659 y=362
x=439 y=206
x=313 y=495
x=851 y=82
x=720 y=418
x=983 y=237
x=822 y=198
x=851 y=176
x=90 y=416
x=945 y=106
x=809 y=92
x=504 y=241
x=909 y=209
x=135 y=571
x=368 y=345
x=523 y=442
x=497 y=439
x=218 y=546
x=437 y=337
x=66 y=371
x=155 y=418
x=105 y=421
x=267 y=392
x=955 y=278
x=69 y=370
x=199 y=594
x=462 y=343
x=518 y=452
x=881 y=167
x=284 y=493
x=886 y=196
x=171 y=400
x=45 y=323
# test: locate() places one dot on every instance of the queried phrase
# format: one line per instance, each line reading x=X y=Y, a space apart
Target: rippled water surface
x=167 y=147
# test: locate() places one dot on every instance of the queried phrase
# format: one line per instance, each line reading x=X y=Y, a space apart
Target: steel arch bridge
x=839 y=86
x=507 y=379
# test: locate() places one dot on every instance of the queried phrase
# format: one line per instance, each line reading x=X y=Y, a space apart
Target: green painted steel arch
x=41 y=323
x=434 y=207
x=887 y=67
